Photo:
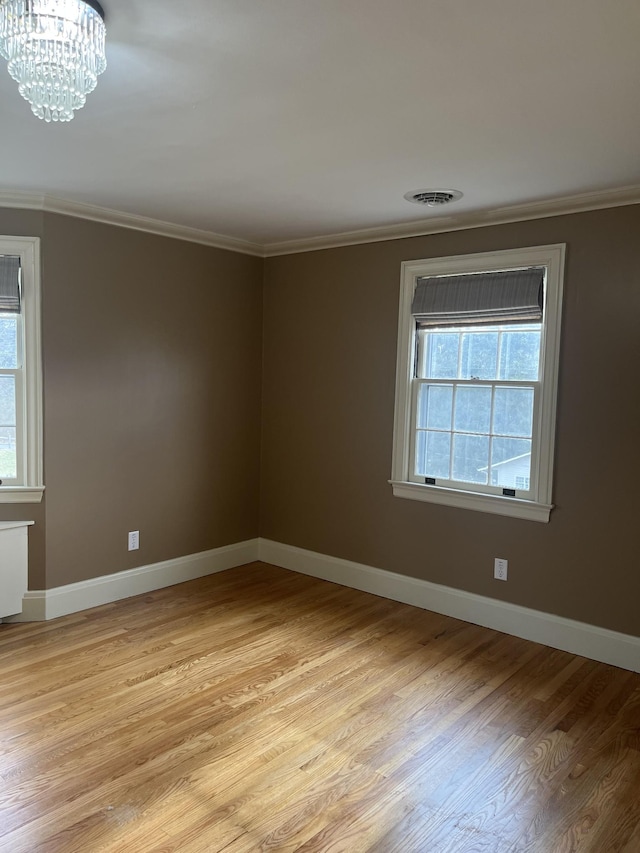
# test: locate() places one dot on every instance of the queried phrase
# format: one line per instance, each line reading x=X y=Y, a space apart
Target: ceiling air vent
x=433 y=198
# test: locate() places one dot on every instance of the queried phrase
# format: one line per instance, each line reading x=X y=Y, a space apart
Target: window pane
x=435 y=405
x=8 y=341
x=473 y=409
x=510 y=462
x=479 y=355
x=470 y=458
x=442 y=355
x=8 y=460
x=420 y=464
x=513 y=411
x=433 y=454
x=520 y=354
x=7 y=401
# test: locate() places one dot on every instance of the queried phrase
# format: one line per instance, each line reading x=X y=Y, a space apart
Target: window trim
x=552 y=257
x=28 y=249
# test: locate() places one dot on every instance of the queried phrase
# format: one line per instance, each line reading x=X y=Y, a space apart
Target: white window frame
x=30 y=486
x=539 y=506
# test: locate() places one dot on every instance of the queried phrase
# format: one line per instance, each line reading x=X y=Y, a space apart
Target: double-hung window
x=20 y=372
x=476 y=381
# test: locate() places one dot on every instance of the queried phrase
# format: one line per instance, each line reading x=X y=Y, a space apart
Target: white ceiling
x=283 y=120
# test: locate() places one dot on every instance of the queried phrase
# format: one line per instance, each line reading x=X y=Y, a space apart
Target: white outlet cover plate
x=500 y=568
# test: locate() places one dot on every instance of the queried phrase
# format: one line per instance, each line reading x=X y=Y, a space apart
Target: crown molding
x=21 y=201
x=579 y=203
x=52 y=204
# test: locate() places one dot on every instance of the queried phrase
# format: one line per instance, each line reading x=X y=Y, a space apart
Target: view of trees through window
x=8 y=364
x=475 y=403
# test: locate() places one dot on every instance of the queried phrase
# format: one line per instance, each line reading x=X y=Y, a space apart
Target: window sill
x=513 y=507
x=21 y=494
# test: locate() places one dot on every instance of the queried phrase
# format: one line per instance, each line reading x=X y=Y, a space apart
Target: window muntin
x=430 y=373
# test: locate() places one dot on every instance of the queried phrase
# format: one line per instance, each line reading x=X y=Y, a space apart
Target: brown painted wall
x=152 y=363
x=330 y=330
x=152 y=352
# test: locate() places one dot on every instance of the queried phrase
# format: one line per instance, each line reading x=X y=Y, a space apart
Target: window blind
x=10 y=284
x=513 y=296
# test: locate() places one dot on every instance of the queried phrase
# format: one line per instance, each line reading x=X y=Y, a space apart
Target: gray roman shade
x=10 y=284
x=514 y=296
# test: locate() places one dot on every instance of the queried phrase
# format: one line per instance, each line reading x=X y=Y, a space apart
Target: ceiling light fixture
x=433 y=198
x=55 y=52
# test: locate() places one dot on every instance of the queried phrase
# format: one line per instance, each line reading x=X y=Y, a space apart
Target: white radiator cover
x=14 y=580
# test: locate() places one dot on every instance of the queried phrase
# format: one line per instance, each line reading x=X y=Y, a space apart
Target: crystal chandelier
x=55 y=52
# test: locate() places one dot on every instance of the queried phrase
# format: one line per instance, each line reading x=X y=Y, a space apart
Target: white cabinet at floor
x=13 y=566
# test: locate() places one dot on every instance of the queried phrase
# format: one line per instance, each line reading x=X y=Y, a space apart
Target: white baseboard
x=39 y=605
x=579 y=638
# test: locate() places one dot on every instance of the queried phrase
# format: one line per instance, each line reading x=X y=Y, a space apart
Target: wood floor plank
x=261 y=710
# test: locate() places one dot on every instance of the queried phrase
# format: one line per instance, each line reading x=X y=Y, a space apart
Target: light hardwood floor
x=262 y=710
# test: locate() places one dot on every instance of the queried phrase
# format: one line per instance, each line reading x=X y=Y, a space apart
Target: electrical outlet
x=500 y=567
x=134 y=540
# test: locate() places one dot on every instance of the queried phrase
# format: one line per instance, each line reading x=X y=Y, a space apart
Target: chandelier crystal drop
x=55 y=51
